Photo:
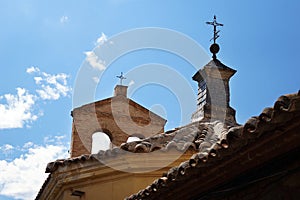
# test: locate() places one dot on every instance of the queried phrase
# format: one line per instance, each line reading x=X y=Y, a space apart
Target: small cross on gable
x=121 y=77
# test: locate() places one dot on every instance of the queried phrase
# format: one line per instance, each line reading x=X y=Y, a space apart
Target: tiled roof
x=196 y=136
x=209 y=164
x=211 y=142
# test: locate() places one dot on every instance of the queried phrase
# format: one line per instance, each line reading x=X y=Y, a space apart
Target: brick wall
x=118 y=116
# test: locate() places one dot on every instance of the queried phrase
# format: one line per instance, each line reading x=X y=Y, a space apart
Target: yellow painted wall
x=111 y=190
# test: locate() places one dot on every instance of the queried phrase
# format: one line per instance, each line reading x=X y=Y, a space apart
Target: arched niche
x=100 y=141
x=135 y=137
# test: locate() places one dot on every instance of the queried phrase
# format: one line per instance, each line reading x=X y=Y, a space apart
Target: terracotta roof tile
x=211 y=141
x=221 y=143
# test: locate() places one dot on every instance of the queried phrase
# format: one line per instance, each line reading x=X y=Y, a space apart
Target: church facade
x=213 y=157
x=209 y=158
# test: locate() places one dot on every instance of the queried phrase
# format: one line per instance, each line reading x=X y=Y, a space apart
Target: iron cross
x=215 y=24
x=121 y=77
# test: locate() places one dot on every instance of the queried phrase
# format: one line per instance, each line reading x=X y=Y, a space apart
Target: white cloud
x=131 y=83
x=22 y=177
x=59 y=138
x=17 y=110
x=53 y=86
x=37 y=79
x=48 y=93
x=64 y=19
x=32 y=69
x=28 y=144
x=6 y=149
x=96 y=79
x=101 y=40
x=93 y=60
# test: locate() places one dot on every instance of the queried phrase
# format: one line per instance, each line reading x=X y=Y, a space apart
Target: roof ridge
x=253 y=129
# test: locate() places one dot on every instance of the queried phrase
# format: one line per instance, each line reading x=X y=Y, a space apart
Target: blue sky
x=45 y=43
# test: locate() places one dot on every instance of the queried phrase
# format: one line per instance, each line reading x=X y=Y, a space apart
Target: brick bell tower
x=213 y=87
x=118 y=117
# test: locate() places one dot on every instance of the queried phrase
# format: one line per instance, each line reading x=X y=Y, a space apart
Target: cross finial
x=121 y=77
x=214 y=48
x=215 y=24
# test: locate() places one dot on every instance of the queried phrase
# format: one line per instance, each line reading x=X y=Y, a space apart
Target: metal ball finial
x=214 y=49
